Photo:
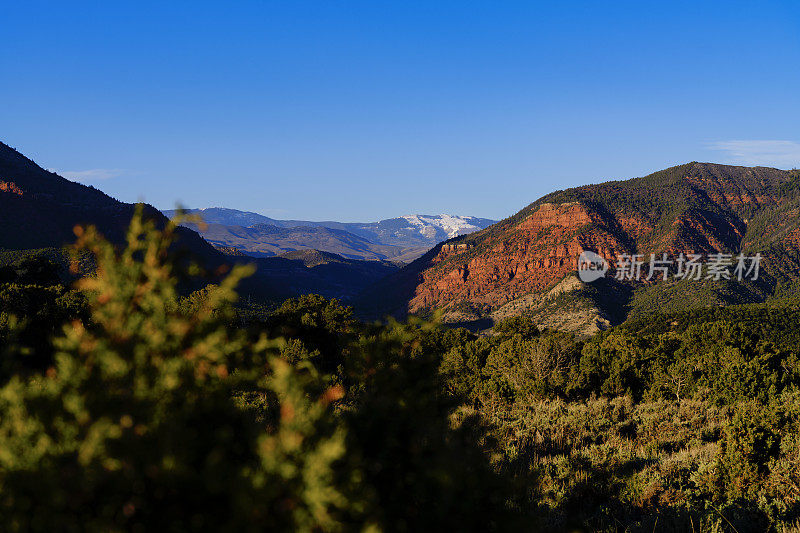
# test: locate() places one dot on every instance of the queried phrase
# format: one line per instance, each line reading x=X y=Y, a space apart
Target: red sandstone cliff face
x=704 y=210
x=533 y=255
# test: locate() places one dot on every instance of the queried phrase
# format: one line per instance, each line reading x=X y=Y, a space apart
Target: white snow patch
x=452 y=225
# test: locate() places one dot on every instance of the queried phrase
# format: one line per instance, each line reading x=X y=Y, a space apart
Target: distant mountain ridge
x=408 y=236
x=265 y=240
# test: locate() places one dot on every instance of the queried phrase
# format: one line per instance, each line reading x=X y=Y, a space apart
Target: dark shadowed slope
x=39 y=209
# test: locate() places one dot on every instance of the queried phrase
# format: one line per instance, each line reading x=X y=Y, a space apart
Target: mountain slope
x=39 y=209
x=694 y=208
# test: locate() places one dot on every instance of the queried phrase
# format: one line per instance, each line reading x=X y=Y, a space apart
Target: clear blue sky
x=366 y=110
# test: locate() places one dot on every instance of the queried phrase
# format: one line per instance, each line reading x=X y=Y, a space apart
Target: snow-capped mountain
x=453 y=225
x=419 y=230
x=409 y=232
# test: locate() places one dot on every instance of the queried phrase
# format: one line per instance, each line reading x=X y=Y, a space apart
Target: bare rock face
x=693 y=208
x=531 y=256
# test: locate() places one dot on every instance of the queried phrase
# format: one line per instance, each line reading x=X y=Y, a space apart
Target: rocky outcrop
x=533 y=255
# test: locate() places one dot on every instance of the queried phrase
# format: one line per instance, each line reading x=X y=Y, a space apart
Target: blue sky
x=367 y=110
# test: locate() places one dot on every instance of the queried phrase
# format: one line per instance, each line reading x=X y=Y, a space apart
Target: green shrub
x=136 y=424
